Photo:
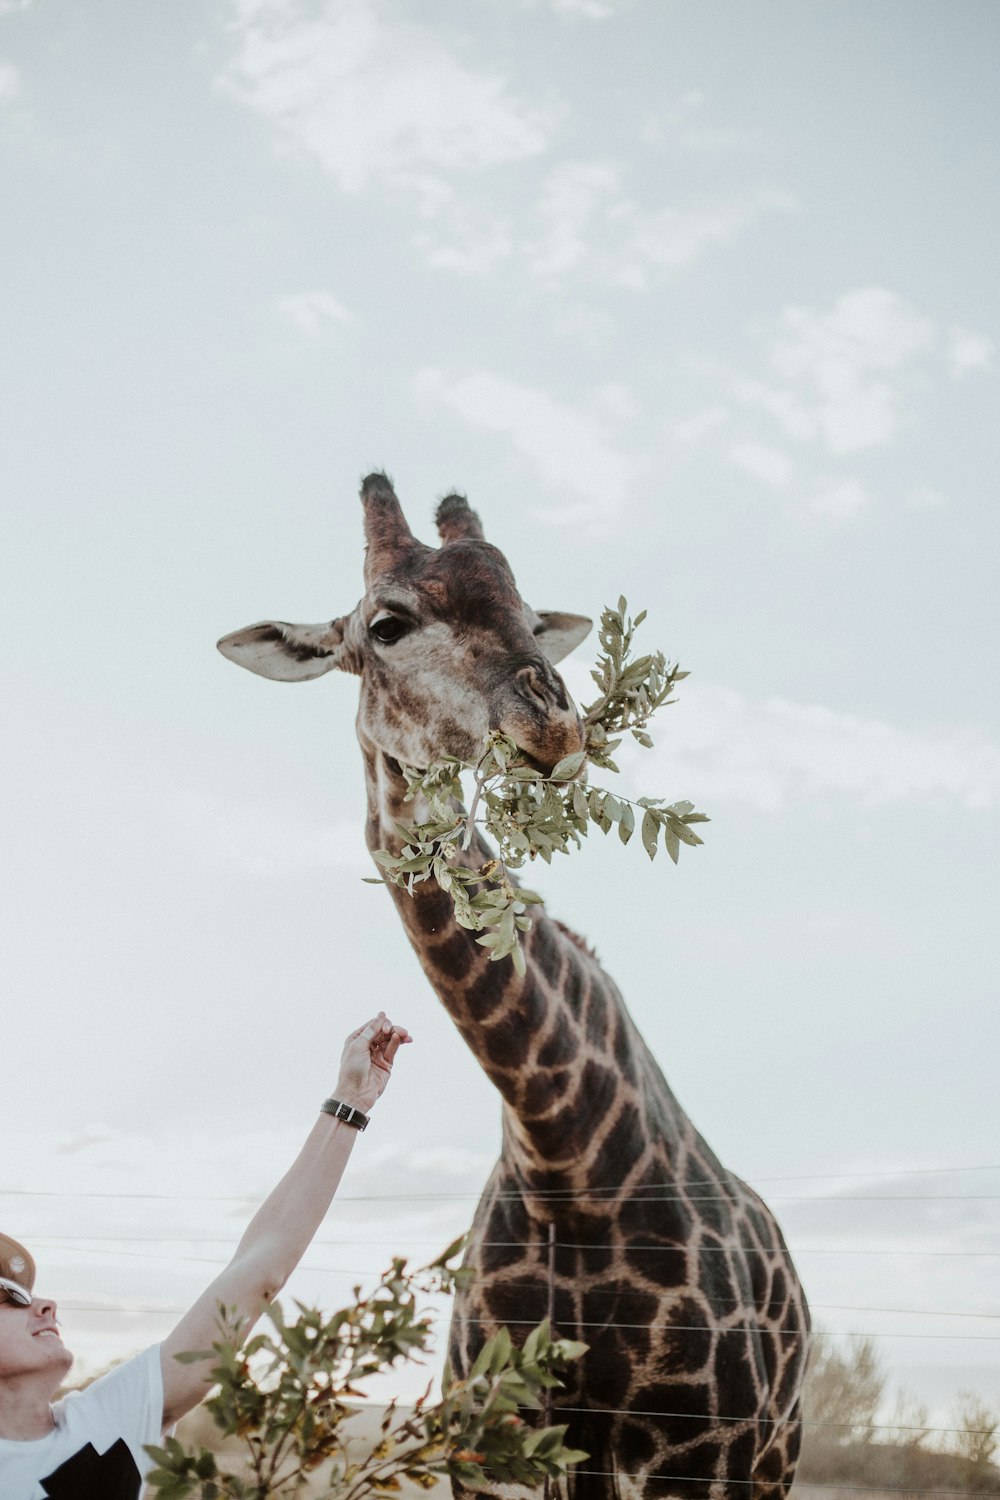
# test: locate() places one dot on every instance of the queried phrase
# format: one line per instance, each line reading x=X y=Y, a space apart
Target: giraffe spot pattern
x=453 y=957
x=670 y=1269
x=485 y=994
x=562 y=1047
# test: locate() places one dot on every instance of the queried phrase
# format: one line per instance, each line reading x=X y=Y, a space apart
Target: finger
x=391 y=1028
x=369 y=1029
x=386 y=1048
x=390 y=1048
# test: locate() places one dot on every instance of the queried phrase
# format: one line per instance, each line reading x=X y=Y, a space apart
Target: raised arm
x=282 y=1228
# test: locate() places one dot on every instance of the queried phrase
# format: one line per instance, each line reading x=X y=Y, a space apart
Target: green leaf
x=566 y=768
x=161 y=1455
x=533 y=816
x=449 y=1252
x=530 y=898
x=571 y=1349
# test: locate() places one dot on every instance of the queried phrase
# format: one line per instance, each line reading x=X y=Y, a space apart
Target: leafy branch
x=535 y=816
x=290 y=1398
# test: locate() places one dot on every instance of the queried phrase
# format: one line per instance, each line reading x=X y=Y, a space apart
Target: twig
x=470 y=817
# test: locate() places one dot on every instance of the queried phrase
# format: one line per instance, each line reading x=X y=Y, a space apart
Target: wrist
x=357 y=1097
x=340 y=1109
x=352 y=1099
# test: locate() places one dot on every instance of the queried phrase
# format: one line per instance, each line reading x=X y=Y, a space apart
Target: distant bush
x=846 y=1442
x=843 y=1392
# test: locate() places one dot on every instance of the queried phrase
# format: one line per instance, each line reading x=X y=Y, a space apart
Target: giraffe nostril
x=532 y=686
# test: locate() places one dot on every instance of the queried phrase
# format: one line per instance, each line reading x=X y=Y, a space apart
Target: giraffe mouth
x=534 y=763
x=545 y=768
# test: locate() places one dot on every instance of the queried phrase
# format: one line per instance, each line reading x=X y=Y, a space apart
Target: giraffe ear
x=289 y=653
x=557 y=634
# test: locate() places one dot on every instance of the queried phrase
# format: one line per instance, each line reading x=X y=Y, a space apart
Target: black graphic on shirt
x=90 y=1475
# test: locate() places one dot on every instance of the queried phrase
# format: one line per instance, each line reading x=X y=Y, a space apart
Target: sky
x=698 y=304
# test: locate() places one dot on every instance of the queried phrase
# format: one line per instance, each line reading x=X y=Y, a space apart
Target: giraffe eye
x=387 y=629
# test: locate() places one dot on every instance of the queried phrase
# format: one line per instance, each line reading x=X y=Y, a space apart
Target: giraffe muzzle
x=538 y=714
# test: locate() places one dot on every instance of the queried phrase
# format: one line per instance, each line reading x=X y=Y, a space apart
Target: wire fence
x=645 y=1192
x=617 y=1193
x=121 y=1246
x=581 y=1325
x=623 y=1193
x=768 y=1487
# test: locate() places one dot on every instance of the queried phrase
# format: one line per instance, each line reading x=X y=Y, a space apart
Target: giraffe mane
x=575 y=937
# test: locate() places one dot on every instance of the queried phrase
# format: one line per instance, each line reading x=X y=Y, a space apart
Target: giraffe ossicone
x=670 y=1268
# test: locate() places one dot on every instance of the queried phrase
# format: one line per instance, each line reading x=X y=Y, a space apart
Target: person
x=90 y=1445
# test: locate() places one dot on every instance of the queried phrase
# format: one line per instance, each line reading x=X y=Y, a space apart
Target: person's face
x=29 y=1339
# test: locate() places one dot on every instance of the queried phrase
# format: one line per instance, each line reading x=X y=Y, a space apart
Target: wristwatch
x=345 y=1112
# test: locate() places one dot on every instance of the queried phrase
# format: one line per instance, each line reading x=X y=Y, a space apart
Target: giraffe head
x=445 y=646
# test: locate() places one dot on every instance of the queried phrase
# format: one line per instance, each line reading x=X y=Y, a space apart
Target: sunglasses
x=14 y=1293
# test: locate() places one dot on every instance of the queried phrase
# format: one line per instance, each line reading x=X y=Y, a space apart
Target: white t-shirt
x=95 y=1451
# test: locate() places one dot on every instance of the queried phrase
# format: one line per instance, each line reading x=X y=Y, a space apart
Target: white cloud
x=925 y=497
x=571 y=448
x=313 y=312
x=590 y=227
x=838 y=361
x=968 y=351
x=839 y=381
x=681 y=123
x=378 y=99
x=670 y=238
x=845 y=373
x=10 y=82
x=586 y=321
x=260 y=841
x=867 y=329
x=785 y=406
x=590 y=10
x=773 y=754
x=470 y=240
x=769 y=464
x=374 y=98
x=571 y=196
x=699 y=425
x=614 y=403
x=838 y=499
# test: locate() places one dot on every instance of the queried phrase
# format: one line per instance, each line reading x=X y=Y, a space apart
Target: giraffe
x=671 y=1269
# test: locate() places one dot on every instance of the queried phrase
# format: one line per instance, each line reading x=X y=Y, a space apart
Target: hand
x=366 y=1063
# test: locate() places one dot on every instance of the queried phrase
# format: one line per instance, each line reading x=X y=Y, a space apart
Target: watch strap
x=346 y=1112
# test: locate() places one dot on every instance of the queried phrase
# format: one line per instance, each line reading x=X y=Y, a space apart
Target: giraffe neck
x=558 y=1043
